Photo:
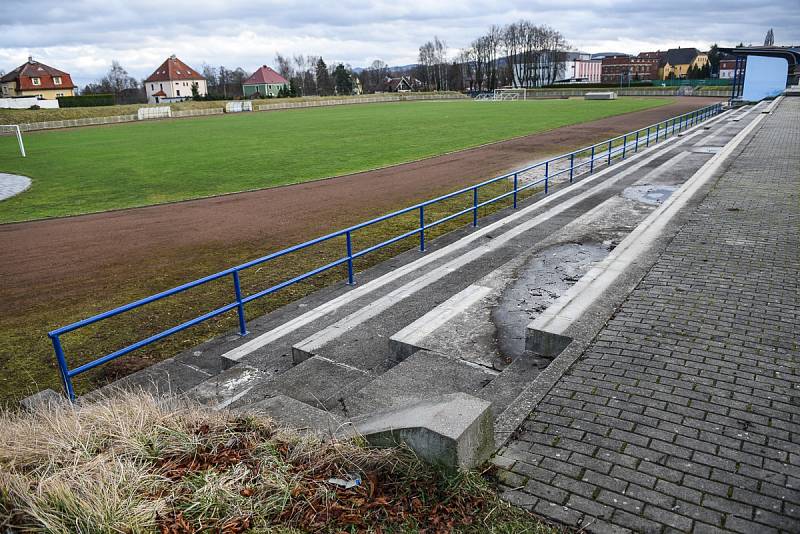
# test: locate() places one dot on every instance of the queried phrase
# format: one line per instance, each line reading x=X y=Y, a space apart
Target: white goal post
x=511 y=93
x=13 y=129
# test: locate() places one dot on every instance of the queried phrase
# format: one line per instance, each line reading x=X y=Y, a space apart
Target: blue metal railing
x=618 y=147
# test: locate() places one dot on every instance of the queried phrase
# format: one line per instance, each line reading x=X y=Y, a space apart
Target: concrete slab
x=318 y=381
x=168 y=377
x=297 y=415
x=453 y=431
x=423 y=375
x=226 y=388
x=42 y=400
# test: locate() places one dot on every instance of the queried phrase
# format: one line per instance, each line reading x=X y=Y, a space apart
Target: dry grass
x=141 y=464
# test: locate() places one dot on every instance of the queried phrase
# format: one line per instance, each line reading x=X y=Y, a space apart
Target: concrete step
x=423 y=375
x=300 y=416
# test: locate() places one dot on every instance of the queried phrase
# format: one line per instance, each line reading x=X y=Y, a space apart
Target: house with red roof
x=38 y=80
x=263 y=83
x=172 y=81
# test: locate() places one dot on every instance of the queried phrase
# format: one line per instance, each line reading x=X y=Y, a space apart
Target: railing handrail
x=684 y=120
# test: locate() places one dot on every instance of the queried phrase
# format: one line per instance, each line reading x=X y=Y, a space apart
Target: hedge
x=86 y=101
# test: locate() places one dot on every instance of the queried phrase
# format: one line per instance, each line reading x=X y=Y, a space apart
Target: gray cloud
x=83 y=36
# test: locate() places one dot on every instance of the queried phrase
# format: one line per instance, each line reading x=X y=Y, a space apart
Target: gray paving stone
x=689 y=396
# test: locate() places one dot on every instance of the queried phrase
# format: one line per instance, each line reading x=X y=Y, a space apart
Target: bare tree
x=372 y=77
x=284 y=66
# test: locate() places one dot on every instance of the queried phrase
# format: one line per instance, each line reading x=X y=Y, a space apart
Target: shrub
x=86 y=101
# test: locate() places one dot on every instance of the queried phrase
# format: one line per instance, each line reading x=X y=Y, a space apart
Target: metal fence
x=561 y=168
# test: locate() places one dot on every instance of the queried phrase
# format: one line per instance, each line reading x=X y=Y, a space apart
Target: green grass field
x=92 y=169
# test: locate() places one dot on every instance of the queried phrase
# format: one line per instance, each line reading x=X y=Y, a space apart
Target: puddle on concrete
x=649 y=194
x=538 y=283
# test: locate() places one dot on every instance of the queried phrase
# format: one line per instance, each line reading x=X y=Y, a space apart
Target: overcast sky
x=83 y=36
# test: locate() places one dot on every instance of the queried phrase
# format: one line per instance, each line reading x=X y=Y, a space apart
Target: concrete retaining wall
x=197 y=112
x=73 y=123
x=27 y=102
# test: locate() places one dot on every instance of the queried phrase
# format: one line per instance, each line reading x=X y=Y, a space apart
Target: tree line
x=520 y=54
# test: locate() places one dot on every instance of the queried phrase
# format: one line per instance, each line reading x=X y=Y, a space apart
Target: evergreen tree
x=769 y=40
x=293 y=90
x=343 y=80
x=713 y=60
x=324 y=84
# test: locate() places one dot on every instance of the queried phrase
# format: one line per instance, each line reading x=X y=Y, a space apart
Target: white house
x=172 y=82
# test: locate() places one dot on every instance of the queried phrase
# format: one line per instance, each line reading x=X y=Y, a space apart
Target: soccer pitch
x=91 y=169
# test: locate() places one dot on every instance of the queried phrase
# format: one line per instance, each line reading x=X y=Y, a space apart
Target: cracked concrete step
x=423 y=375
x=173 y=376
x=319 y=382
x=299 y=415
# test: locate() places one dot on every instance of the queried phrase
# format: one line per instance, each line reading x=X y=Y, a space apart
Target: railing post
x=237 y=288
x=546 y=173
x=609 y=153
x=475 y=206
x=66 y=380
x=648 y=137
x=591 y=162
x=636 y=144
x=624 y=144
x=351 y=279
x=516 y=180
x=658 y=127
x=571 y=166
x=422 y=228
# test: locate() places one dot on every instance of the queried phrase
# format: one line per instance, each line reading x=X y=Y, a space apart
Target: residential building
x=38 y=80
x=172 y=81
x=624 y=68
x=402 y=84
x=358 y=89
x=676 y=62
x=265 y=82
x=727 y=66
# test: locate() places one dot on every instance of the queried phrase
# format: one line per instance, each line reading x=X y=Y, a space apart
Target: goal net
x=12 y=130
x=510 y=93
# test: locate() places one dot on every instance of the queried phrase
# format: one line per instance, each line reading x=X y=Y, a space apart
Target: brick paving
x=684 y=413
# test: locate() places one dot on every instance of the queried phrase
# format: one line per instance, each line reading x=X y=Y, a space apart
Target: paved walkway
x=12 y=184
x=684 y=413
